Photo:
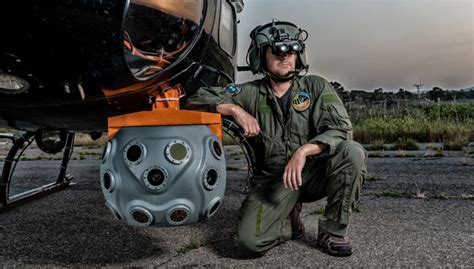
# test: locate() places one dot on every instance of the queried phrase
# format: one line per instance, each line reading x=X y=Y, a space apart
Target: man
x=301 y=136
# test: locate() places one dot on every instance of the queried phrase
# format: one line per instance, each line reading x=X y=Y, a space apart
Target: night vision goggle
x=287 y=46
x=283 y=43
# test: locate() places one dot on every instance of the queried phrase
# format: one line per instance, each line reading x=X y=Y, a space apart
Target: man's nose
x=285 y=55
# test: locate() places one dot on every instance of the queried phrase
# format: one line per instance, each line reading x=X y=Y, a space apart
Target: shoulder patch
x=233 y=89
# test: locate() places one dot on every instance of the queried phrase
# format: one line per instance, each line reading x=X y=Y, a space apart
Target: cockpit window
x=157 y=33
x=227 y=37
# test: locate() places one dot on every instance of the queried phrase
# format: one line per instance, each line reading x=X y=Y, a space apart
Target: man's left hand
x=294 y=167
x=292 y=175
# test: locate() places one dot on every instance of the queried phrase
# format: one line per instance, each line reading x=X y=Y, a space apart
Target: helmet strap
x=280 y=79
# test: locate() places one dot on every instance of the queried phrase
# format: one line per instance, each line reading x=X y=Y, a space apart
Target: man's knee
x=353 y=153
x=250 y=244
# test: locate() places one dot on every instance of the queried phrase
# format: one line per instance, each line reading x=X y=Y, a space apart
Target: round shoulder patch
x=233 y=89
x=301 y=101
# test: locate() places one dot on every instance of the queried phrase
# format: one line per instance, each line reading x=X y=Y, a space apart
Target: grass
x=433 y=147
x=421 y=125
x=378 y=144
x=41 y=158
x=437 y=152
x=373 y=178
x=404 y=154
x=421 y=195
x=228 y=140
x=80 y=139
x=441 y=196
x=378 y=155
x=90 y=153
x=466 y=161
x=85 y=140
x=456 y=143
x=232 y=168
x=318 y=211
x=8 y=130
x=194 y=243
x=467 y=196
x=406 y=144
x=394 y=194
x=389 y=194
x=234 y=154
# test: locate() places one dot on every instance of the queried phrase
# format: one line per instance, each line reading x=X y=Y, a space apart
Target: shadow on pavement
x=71 y=237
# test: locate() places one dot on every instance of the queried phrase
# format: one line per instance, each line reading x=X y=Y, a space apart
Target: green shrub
x=406 y=144
x=418 y=124
x=455 y=143
x=453 y=112
x=378 y=144
x=318 y=211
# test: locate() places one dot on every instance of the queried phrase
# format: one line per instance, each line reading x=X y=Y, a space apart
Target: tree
x=341 y=91
x=436 y=93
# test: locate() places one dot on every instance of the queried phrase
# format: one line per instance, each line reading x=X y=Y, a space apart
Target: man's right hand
x=242 y=117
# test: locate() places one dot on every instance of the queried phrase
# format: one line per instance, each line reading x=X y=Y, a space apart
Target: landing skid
x=21 y=143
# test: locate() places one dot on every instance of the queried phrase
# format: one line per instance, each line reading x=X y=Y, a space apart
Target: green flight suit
x=316 y=115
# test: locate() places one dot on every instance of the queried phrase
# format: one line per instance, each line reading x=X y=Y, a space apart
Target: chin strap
x=280 y=79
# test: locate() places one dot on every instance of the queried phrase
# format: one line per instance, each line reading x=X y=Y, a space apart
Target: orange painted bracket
x=166 y=117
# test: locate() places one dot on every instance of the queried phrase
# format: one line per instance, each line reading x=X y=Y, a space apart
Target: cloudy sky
x=367 y=44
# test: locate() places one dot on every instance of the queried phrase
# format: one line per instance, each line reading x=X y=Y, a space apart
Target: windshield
x=157 y=33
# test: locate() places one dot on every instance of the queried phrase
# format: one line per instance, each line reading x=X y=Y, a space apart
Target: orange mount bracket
x=166 y=112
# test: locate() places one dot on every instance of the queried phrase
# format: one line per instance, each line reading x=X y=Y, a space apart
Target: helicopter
x=125 y=67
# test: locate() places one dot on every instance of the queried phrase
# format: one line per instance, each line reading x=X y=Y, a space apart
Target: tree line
x=436 y=94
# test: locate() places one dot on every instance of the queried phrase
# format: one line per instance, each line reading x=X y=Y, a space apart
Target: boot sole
x=342 y=253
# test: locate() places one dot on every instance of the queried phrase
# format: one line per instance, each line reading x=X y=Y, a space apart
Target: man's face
x=280 y=65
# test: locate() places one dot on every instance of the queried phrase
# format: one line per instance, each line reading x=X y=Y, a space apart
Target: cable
x=234 y=130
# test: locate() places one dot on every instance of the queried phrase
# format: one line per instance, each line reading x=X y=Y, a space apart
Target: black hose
x=235 y=131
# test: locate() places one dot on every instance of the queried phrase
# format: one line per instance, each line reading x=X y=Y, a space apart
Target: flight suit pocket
x=339 y=198
x=347 y=197
x=339 y=115
x=274 y=153
x=339 y=110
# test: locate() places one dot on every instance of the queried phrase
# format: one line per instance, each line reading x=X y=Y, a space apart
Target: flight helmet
x=282 y=37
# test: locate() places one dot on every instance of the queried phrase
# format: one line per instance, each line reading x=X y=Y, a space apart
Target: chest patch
x=301 y=101
x=233 y=89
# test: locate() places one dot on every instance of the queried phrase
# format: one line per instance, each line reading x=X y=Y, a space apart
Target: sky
x=370 y=44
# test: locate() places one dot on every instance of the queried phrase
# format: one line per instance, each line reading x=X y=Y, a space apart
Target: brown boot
x=297 y=227
x=333 y=244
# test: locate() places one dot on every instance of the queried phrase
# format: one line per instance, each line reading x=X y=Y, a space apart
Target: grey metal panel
x=184 y=186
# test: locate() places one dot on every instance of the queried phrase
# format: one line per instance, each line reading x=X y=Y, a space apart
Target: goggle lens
x=286 y=47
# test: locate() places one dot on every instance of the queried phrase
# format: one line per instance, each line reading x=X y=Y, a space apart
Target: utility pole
x=418 y=86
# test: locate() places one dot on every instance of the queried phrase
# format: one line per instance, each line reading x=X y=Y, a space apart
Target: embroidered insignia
x=301 y=101
x=233 y=89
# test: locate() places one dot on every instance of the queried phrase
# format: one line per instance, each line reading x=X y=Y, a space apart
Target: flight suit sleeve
x=330 y=118
x=209 y=98
x=237 y=94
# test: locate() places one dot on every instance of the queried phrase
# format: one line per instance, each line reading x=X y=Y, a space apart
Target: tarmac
x=416 y=211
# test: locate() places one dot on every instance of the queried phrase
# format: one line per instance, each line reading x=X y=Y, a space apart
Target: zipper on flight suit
x=288 y=123
x=285 y=124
